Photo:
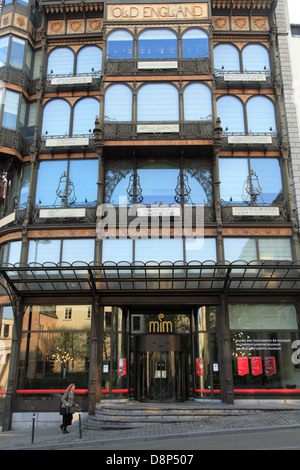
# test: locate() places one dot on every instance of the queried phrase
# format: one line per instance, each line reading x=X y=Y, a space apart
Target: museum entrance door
x=161 y=368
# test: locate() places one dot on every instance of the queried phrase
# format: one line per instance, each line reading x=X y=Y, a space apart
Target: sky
x=294 y=11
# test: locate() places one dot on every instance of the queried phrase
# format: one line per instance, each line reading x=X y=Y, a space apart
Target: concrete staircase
x=135 y=414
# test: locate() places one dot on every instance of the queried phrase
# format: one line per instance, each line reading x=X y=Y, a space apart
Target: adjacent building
x=149 y=202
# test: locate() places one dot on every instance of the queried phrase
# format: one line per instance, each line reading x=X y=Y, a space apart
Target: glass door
x=161 y=375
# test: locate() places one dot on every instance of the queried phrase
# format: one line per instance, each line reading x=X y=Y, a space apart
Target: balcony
x=77 y=143
x=258 y=140
x=79 y=82
x=157 y=67
x=255 y=80
x=195 y=130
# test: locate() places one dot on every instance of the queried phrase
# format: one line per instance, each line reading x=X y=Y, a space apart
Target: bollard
x=79 y=422
x=33 y=428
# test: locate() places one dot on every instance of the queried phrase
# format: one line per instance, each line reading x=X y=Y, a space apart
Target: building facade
x=149 y=203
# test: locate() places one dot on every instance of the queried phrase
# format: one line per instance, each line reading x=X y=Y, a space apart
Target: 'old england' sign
x=159 y=12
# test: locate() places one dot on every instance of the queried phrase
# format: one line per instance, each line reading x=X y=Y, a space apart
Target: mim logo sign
x=160 y=326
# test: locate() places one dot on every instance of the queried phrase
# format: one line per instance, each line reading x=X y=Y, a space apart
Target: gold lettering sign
x=160 y=326
x=170 y=11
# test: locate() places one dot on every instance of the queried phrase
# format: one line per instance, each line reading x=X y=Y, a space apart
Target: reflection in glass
x=195 y=44
x=226 y=58
x=230 y=110
x=255 y=58
x=61 y=61
x=157 y=44
x=89 y=59
x=119 y=45
x=157 y=102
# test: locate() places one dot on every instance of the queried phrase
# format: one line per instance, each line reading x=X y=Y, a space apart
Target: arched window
x=255 y=58
x=157 y=102
x=85 y=112
x=120 y=45
x=197 y=102
x=226 y=57
x=118 y=103
x=56 y=118
x=157 y=44
x=260 y=114
x=230 y=111
x=195 y=44
x=89 y=57
x=61 y=61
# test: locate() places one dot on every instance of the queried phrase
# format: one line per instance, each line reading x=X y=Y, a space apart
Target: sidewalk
x=50 y=436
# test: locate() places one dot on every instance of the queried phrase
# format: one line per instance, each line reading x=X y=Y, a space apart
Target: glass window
x=230 y=111
x=200 y=249
x=48 y=182
x=275 y=248
x=31 y=120
x=120 y=45
x=117 y=250
x=37 y=64
x=240 y=249
x=157 y=102
x=158 y=180
x=118 y=103
x=84 y=176
x=42 y=251
x=56 y=118
x=61 y=61
x=3 y=50
x=17 y=52
x=197 y=102
x=157 y=44
x=266 y=178
x=25 y=184
x=255 y=58
x=197 y=180
x=195 y=44
x=85 y=112
x=23 y=2
x=14 y=253
x=78 y=250
x=28 y=61
x=89 y=59
x=159 y=250
x=226 y=57
x=263 y=317
x=22 y=118
x=11 y=106
x=233 y=189
x=260 y=114
x=117 y=177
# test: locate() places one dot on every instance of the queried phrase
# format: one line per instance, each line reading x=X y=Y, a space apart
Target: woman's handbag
x=64 y=410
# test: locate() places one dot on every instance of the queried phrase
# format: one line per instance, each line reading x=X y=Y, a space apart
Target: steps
x=135 y=414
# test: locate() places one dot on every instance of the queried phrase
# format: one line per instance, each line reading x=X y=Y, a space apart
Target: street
x=279 y=439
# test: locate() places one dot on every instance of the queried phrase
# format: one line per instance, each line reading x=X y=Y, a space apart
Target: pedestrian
x=68 y=407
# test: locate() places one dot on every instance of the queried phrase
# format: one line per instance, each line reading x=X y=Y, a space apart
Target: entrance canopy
x=79 y=278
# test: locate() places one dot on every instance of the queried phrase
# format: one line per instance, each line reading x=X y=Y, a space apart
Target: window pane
x=120 y=45
x=48 y=182
x=56 y=118
x=269 y=178
x=10 y=109
x=158 y=180
x=198 y=180
x=85 y=112
x=31 y=120
x=157 y=44
x=22 y=118
x=117 y=174
x=195 y=44
x=3 y=50
x=240 y=249
x=78 y=250
x=61 y=61
x=200 y=249
x=260 y=115
x=14 y=252
x=197 y=102
x=230 y=111
x=37 y=64
x=42 y=251
x=25 y=184
x=23 y=2
x=117 y=250
x=262 y=317
x=89 y=57
x=275 y=249
x=226 y=57
x=17 y=52
x=159 y=250
x=118 y=103
x=233 y=189
x=255 y=58
x=28 y=60
x=157 y=102
x=84 y=176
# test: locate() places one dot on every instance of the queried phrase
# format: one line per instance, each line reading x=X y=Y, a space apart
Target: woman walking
x=67 y=407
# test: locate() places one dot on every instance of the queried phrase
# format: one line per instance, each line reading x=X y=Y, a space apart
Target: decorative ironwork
x=252 y=188
x=65 y=191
